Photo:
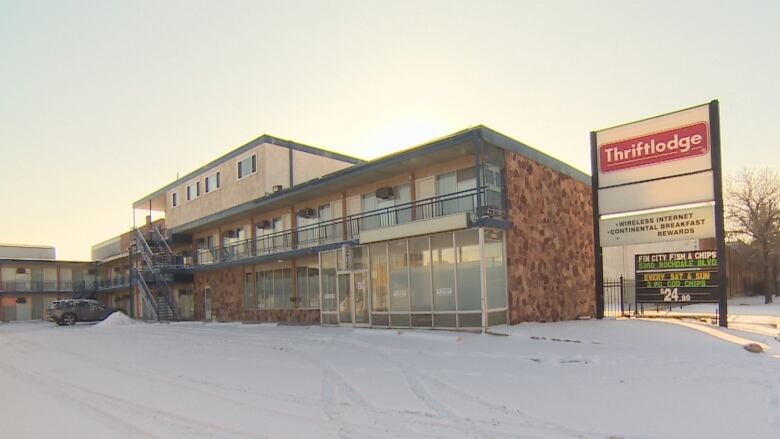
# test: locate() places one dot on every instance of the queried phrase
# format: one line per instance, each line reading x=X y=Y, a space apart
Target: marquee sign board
x=677 y=277
x=669 y=225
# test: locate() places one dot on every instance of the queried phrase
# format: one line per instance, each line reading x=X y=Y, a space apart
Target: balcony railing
x=38 y=286
x=347 y=228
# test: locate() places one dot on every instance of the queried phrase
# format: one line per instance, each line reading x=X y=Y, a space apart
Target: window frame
x=253 y=167
x=192 y=191
x=175 y=199
x=217 y=182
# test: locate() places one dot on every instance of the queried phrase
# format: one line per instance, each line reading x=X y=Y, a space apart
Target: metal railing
x=38 y=286
x=347 y=228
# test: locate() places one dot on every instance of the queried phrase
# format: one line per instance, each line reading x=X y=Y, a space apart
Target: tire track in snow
x=335 y=383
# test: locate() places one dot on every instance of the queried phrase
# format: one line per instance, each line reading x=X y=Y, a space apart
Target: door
x=23 y=309
x=360 y=288
x=353 y=298
x=345 y=297
x=207 y=303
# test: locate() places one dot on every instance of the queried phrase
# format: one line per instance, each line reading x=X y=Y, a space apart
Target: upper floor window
x=247 y=166
x=212 y=182
x=193 y=191
x=175 y=199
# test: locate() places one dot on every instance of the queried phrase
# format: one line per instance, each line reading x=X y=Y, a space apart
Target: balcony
x=40 y=286
x=348 y=229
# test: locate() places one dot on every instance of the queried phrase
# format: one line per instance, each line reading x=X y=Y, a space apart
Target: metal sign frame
x=717 y=177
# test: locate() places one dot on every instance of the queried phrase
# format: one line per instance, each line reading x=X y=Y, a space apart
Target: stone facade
x=227 y=300
x=550 y=255
x=227 y=293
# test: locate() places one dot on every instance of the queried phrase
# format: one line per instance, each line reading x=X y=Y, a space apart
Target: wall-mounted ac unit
x=307 y=212
x=385 y=193
x=278 y=187
x=264 y=224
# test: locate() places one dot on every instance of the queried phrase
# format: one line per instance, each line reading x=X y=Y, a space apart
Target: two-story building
x=31 y=278
x=468 y=231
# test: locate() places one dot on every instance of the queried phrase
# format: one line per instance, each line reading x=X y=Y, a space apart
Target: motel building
x=31 y=278
x=469 y=231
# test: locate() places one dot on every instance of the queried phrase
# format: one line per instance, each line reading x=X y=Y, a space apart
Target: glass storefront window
x=399 y=276
x=328 y=281
x=379 y=282
x=420 y=273
x=267 y=290
x=443 y=257
x=467 y=258
x=494 y=269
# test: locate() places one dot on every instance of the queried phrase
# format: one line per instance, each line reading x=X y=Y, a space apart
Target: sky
x=103 y=102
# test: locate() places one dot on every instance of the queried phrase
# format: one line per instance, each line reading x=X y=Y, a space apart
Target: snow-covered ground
x=583 y=379
x=753 y=305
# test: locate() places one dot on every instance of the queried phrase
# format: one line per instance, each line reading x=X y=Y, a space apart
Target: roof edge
x=265 y=138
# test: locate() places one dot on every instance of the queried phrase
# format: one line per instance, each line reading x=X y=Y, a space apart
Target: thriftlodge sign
x=657 y=180
x=658 y=163
x=651 y=149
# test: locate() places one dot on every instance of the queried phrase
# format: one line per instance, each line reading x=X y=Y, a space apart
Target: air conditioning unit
x=265 y=224
x=307 y=212
x=385 y=193
x=278 y=187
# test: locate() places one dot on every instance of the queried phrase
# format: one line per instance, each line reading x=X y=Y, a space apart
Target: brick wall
x=550 y=244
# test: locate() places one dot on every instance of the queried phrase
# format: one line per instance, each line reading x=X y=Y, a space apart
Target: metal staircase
x=158 y=295
x=85 y=291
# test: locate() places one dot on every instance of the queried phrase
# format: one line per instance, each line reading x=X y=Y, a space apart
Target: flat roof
x=42 y=247
x=50 y=261
x=445 y=148
x=265 y=138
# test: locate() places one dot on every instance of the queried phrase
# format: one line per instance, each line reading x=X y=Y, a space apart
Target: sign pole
x=720 y=235
x=597 y=253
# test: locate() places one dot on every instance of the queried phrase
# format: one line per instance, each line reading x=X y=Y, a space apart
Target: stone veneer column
x=550 y=260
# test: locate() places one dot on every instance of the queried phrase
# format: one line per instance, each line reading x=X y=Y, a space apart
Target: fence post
x=622 y=311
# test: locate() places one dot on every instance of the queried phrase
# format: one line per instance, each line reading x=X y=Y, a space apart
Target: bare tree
x=753 y=214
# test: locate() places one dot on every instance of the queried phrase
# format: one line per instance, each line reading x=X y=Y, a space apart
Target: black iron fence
x=619 y=297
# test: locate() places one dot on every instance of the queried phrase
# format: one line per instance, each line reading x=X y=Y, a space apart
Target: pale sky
x=102 y=102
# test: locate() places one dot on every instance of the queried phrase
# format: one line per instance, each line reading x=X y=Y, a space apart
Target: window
x=175 y=199
x=248 y=287
x=247 y=166
x=273 y=289
x=193 y=191
x=212 y=182
x=389 y=217
x=456 y=183
x=308 y=287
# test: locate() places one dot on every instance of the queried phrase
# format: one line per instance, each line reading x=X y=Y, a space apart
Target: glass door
x=345 y=298
x=360 y=288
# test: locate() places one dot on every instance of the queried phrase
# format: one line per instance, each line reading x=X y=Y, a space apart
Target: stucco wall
x=272 y=169
x=549 y=245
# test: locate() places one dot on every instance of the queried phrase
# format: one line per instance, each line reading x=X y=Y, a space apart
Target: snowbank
x=116 y=319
